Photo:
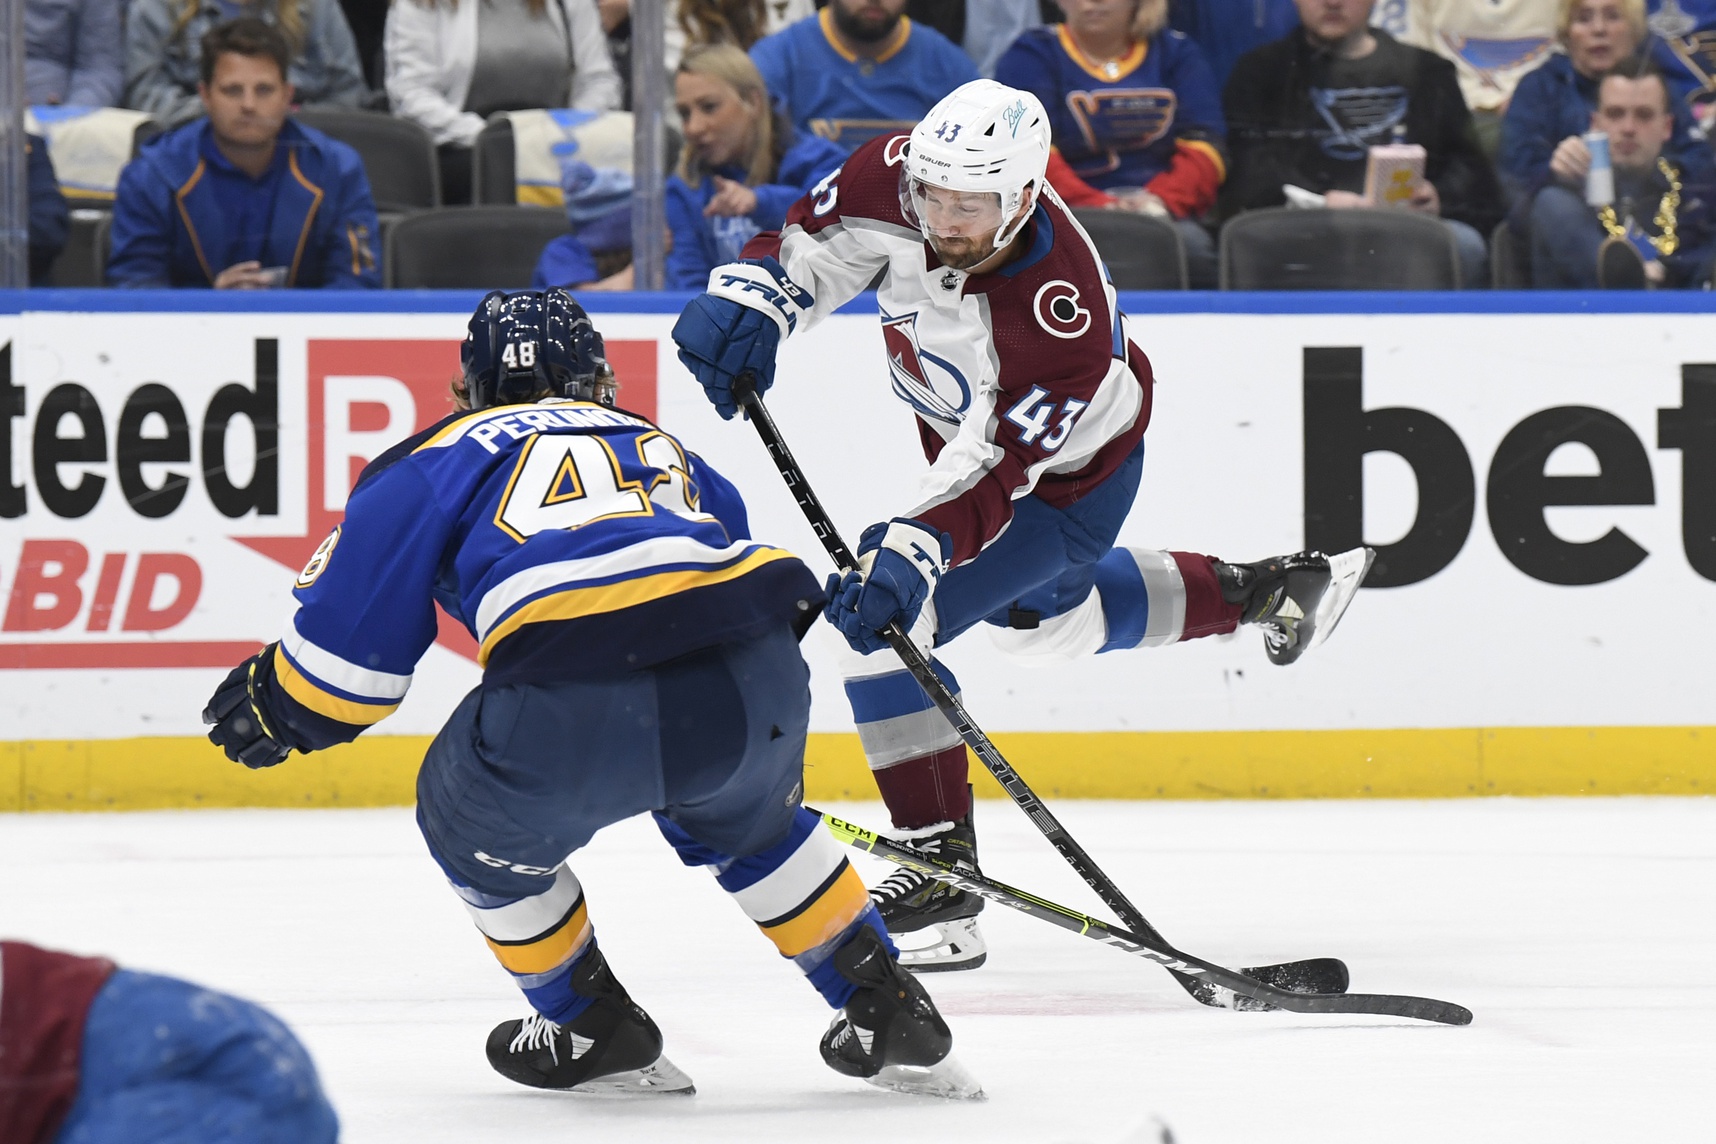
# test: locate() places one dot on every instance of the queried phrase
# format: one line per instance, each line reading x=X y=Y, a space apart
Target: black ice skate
x=612 y=1046
x=912 y=903
x=1297 y=599
x=890 y=1033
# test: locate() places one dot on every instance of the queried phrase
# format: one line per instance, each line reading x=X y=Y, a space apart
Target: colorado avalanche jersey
x=1023 y=380
x=1119 y=124
x=572 y=540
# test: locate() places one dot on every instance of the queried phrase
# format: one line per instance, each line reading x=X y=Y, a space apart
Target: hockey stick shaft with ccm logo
x=1319 y=975
x=1240 y=984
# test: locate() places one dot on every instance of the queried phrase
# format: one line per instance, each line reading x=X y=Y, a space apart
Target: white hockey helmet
x=984 y=138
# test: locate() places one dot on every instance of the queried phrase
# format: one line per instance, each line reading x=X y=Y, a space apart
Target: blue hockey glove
x=736 y=327
x=900 y=562
x=241 y=729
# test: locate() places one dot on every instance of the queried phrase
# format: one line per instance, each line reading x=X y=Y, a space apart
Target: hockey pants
x=1053 y=587
x=165 y=1061
x=713 y=743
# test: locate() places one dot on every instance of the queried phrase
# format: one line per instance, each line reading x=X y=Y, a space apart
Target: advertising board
x=1541 y=488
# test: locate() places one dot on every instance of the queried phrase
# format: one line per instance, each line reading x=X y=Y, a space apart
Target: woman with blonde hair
x=1551 y=108
x=1135 y=112
x=163 y=55
x=453 y=63
x=742 y=165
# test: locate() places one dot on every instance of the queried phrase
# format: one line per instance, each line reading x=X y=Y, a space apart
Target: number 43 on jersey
x=569 y=481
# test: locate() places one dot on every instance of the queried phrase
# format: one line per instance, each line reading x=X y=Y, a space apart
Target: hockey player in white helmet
x=1004 y=336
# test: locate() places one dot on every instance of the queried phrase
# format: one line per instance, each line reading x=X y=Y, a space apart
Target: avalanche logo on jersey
x=916 y=385
x=1358 y=118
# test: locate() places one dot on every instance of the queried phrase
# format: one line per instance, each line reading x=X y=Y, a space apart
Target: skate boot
x=942 y=918
x=612 y=1046
x=890 y=1033
x=1297 y=599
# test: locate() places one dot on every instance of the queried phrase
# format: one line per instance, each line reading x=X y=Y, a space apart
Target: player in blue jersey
x=639 y=652
x=859 y=69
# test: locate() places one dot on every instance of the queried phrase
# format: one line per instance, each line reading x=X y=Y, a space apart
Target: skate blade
x=947 y=1078
x=663 y=1078
x=1347 y=571
x=950 y=946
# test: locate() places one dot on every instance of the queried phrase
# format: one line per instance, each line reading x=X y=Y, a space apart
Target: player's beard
x=966 y=253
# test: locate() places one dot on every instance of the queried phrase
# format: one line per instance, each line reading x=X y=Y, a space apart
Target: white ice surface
x=1581 y=932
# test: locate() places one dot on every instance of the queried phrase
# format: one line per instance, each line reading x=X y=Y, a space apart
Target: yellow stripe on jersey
x=554 y=948
x=1209 y=151
x=576 y=603
x=299 y=687
x=822 y=920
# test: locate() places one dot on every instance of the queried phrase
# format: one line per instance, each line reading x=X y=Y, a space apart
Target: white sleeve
x=418 y=81
x=595 y=83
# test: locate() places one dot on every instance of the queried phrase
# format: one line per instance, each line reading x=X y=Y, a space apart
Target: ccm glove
x=736 y=327
x=900 y=562
x=241 y=728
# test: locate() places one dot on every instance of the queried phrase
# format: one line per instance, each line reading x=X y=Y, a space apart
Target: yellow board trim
x=381 y=770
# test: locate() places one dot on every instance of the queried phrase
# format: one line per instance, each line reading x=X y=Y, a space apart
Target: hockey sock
x=1207 y=612
x=1152 y=598
x=802 y=893
x=538 y=940
x=920 y=764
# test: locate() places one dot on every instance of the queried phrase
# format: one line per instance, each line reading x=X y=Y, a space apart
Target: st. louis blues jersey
x=1023 y=380
x=1122 y=123
x=826 y=90
x=572 y=540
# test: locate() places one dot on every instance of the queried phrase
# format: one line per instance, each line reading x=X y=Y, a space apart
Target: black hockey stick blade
x=1321 y=975
x=1241 y=985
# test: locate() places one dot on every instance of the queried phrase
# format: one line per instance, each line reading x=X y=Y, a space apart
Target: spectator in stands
x=453 y=63
x=72 y=53
x=1553 y=105
x=1658 y=231
x=1227 y=29
x=1684 y=46
x=1134 y=110
x=1306 y=110
x=742 y=166
x=984 y=29
x=93 y=1053
x=738 y=22
x=1493 y=44
x=859 y=69
x=246 y=198
x=49 y=220
x=368 y=21
x=163 y=65
x=597 y=253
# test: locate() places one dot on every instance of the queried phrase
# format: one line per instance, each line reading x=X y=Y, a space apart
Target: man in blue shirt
x=859 y=69
x=244 y=198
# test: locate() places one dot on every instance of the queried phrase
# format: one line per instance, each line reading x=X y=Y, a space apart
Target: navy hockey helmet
x=522 y=346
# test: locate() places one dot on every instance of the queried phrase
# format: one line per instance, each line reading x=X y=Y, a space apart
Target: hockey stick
x=1321 y=975
x=1242 y=984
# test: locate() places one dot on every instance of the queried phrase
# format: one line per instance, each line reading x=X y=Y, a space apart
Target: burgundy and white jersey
x=1023 y=380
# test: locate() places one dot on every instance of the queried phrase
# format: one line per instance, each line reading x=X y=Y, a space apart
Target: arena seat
x=1140 y=251
x=450 y=248
x=398 y=155
x=1281 y=248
